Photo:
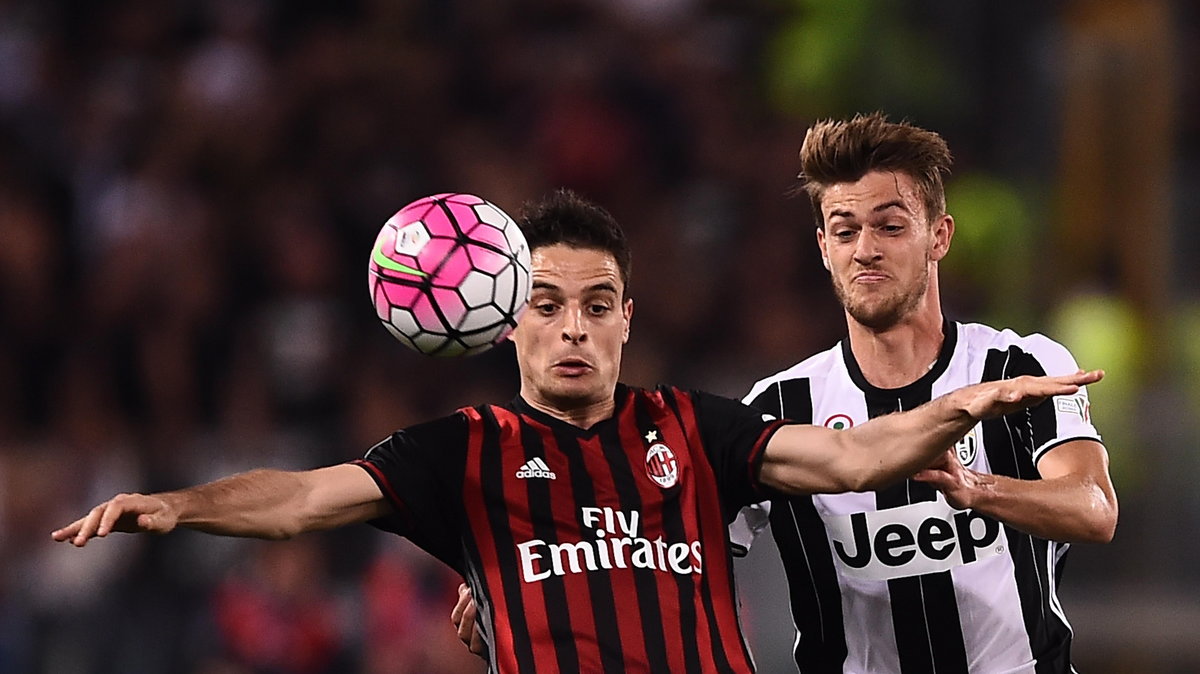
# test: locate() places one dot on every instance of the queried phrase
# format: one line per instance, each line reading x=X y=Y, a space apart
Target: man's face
x=570 y=338
x=879 y=247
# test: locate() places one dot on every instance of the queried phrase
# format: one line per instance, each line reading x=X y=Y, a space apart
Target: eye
x=599 y=309
x=843 y=234
x=545 y=308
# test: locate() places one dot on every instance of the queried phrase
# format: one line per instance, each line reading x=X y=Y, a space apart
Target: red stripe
x=754 y=465
x=687 y=465
x=579 y=599
x=624 y=589
x=718 y=572
x=652 y=527
x=520 y=522
x=387 y=489
x=503 y=651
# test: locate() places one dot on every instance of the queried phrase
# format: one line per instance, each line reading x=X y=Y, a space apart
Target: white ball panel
x=491 y=215
x=517 y=244
x=402 y=320
x=428 y=343
x=477 y=289
x=478 y=319
x=506 y=283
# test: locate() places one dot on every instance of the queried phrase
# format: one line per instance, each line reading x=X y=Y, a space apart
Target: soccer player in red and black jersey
x=588 y=517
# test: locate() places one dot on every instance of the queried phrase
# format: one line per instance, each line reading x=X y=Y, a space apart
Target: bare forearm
x=259 y=503
x=814 y=459
x=897 y=445
x=1069 y=508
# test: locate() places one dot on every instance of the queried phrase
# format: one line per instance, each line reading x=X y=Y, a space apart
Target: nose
x=573 y=329
x=866 y=249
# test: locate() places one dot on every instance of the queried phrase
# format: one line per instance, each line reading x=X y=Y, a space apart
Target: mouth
x=870 y=277
x=571 y=367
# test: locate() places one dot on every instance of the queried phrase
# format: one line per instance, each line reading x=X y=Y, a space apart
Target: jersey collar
x=949 y=340
x=522 y=407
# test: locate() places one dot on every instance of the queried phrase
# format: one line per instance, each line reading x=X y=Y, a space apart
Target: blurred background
x=189 y=190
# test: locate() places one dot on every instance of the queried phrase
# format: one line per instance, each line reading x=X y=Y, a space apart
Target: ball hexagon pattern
x=450 y=275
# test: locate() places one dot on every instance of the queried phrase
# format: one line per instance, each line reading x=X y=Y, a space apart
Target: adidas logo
x=535 y=467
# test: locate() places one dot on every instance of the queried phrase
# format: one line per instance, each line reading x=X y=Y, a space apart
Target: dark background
x=189 y=191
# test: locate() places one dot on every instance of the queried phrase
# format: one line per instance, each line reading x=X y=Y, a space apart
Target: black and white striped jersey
x=897 y=580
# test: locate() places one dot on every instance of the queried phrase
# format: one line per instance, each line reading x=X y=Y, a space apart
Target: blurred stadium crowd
x=189 y=191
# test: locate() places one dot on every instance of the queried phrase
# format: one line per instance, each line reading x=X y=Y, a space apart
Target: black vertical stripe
x=673 y=529
x=554 y=589
x=643 y=579
x=600 y=590
x=474 y=575
x=788 y=399
x=672 y=522
x=813 y=585
x=492 y=478
x=803 y=545
x=1009 y=443
x=1039 y=423
x=932 y=641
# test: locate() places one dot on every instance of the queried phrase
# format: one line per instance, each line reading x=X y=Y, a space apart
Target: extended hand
x=131 y=513
x=998 y=398
x=463 y=616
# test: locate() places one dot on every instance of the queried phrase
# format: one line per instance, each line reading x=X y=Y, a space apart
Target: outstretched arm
x=272 y=504
x=1074 y=501
x=812 y=459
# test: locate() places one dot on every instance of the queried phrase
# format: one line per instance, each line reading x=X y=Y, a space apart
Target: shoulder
x=436 y=432
x=666 y=395
x=1014 y=353
x=818 y=366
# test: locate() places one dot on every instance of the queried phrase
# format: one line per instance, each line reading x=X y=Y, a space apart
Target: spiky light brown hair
x=843 y=151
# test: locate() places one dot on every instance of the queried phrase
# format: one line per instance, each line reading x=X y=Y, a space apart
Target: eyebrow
x=599 y=287
x=894 y=203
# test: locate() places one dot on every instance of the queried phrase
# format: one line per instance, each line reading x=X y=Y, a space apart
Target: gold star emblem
x=651 y=436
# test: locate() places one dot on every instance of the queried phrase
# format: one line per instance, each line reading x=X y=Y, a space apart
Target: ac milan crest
x=661 y=465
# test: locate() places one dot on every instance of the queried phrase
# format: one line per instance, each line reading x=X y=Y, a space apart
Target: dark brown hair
x=843 y=151
x=567 y=218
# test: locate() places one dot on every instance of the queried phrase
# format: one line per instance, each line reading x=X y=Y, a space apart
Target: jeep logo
x=912 y=540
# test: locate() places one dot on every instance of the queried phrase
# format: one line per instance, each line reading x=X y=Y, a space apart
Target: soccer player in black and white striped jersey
x=588 y=517
x=956 y=569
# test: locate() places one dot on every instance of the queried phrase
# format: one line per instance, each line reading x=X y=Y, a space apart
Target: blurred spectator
x=189 y=190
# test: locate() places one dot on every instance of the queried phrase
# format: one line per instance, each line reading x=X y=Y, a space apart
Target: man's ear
x=821 y=247
x=942 y=232
x=627 y=314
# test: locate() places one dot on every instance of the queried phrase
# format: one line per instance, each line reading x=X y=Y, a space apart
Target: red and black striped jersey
x=588 y=550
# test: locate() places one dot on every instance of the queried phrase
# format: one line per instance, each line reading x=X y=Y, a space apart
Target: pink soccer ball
x=449 y=275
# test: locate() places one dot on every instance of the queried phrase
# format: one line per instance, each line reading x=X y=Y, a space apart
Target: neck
x=581 y=414
x=902 y=353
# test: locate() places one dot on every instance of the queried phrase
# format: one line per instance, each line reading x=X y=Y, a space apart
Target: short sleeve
x=1060 y=419
x=419 y=470
x=735 y=437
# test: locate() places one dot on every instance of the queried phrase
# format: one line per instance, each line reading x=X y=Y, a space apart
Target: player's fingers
x=149 y=522
x=924 y=475
x=464 y=600
x=120 y=505
x=466 y=627
x=88 y=526
x=476 y=645
x=1072 y=382
x=68 y=531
